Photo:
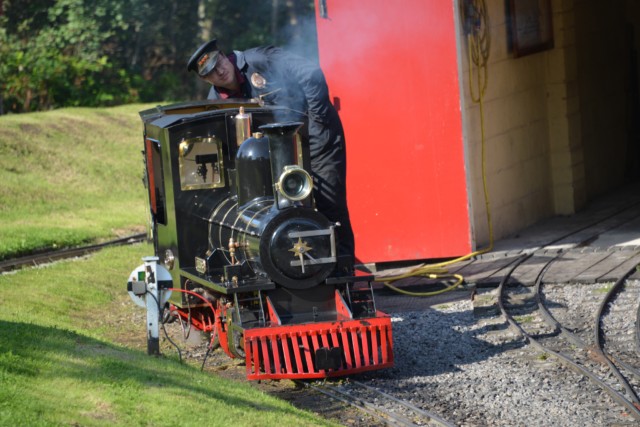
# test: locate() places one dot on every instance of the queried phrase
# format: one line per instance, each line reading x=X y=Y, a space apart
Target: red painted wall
x=393 y=67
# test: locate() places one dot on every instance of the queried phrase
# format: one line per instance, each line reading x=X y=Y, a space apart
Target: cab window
x=201 y=164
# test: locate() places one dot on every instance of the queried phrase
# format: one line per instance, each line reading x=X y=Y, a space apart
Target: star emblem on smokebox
x=299 y=249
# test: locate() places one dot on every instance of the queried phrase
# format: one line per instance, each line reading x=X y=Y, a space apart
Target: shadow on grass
x=44 y=355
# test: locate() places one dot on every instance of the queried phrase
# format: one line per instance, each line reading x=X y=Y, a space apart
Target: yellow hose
x=478 y=46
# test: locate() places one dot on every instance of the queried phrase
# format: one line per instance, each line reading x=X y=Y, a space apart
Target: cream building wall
x=557 y=123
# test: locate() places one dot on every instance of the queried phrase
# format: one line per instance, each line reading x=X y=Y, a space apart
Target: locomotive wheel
x=230 y=334
x=235 y=335
x=216 y=341
x=222 y=329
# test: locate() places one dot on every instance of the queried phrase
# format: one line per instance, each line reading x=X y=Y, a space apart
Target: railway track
x=387 y=409
x=571 y=330
x=47 y=257
x=581 y=341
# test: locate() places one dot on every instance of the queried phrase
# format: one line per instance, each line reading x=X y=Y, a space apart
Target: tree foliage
x=56 y=53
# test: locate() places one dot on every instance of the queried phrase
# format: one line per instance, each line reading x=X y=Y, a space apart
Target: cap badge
x=258 y=81
x=203 y=59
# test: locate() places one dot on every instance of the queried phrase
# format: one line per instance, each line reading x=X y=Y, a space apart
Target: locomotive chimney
x=282 y=146
x=291 y=182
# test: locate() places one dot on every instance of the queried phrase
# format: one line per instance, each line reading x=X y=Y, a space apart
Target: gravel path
x=474 y=371
x=467 y=366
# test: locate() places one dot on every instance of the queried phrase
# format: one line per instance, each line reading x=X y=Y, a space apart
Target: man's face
x=223 y=75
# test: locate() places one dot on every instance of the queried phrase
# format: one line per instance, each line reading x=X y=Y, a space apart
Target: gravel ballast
x=457 y=357
x=472 y=370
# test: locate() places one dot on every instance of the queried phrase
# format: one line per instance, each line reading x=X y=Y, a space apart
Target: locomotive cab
x=251 y=259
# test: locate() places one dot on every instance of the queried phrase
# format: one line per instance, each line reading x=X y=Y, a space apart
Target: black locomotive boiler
x=241 y=252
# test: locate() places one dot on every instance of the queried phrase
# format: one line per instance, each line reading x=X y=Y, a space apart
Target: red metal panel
x=265 y=355
x=374 y=344
x=276 y=353
x=365 y=344
x=314 y=340
x=341 y=307
x=393 y=67
x=356 y=346
x=256 y=354
x=285 y=350
x=252 y=358
x=347 y=348
x=354 y=336
x=385 y=339
x=325 y=338
x=307 y=352
x=296 y=352
x=335 y=338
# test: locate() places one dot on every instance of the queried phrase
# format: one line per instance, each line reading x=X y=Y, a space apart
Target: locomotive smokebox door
x=301 y=251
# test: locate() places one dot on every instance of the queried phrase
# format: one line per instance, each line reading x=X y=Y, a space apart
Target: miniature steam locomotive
x=240 y=251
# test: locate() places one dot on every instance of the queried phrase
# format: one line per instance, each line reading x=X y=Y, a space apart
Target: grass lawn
x=70 y=176
x=60 y=363
x=70 y=351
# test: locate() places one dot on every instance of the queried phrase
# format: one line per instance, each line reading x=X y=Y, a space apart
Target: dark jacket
x=298 y=84
x=286 y=80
